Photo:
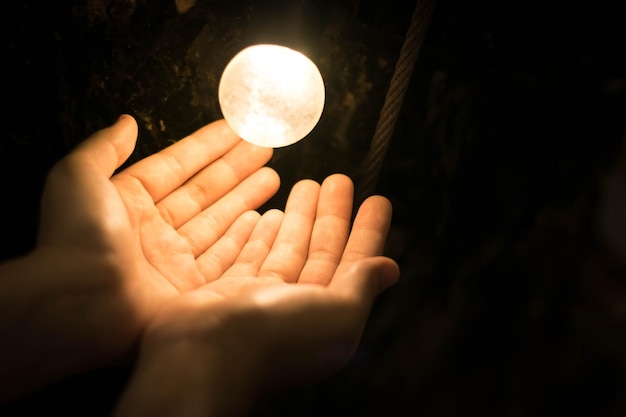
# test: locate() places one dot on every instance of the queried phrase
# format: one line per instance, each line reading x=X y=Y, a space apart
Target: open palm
x=294 y=303
x=163 y=226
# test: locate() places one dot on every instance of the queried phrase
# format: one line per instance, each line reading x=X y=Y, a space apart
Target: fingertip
x=223 y=124
x=124 y=117
x=303 y=190
x=107 y=149
x=124 y=136
x=250 y=216
x=380 y=272
x=274 y=213
x=217 y=136
x=307 y=182
x=376 y=213
x=339 y=178
x=272 y=178
x=367 y=278
x=125 y=121
x=382 y=202
x=389 y=274
x=272 y=171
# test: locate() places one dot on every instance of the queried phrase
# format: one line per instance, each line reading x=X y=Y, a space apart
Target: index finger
x=163 y=172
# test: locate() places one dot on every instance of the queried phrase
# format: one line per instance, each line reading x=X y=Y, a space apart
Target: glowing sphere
x=271 y=95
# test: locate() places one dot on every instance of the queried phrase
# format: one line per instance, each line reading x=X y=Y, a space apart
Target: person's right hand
x=112 y=249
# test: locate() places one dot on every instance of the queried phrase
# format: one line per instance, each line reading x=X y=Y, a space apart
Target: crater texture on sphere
x=271 y=95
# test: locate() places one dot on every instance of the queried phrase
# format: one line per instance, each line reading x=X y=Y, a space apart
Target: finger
x=213 y=182
x=204 y=229
x=219 y=257
x=330 y=232
x=258 y=246
x=362 y=281
x=163 y=172
x=290 y=249
x=369 y=230
x=107 y=149
x=81 y=180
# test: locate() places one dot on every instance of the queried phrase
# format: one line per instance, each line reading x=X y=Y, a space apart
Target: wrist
x=59 y=310
x=196 y=378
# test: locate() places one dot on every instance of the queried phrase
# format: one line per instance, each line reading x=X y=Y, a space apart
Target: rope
x=394 y=99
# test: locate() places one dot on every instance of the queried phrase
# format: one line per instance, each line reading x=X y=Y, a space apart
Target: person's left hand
x=291 y=308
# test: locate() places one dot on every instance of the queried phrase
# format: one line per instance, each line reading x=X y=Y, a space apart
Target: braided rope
x=394 y=99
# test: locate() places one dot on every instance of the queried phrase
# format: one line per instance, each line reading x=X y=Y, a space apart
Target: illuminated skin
x=113 y=250
x=169 y=257
x=271 y=95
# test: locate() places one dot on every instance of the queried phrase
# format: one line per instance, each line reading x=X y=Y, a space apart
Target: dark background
x=512 y=300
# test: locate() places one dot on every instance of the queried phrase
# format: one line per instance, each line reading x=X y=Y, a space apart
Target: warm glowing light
x=271 y=95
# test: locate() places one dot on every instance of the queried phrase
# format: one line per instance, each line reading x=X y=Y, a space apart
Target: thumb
x=107 y=149
x=364 y=280
x=76 y=196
